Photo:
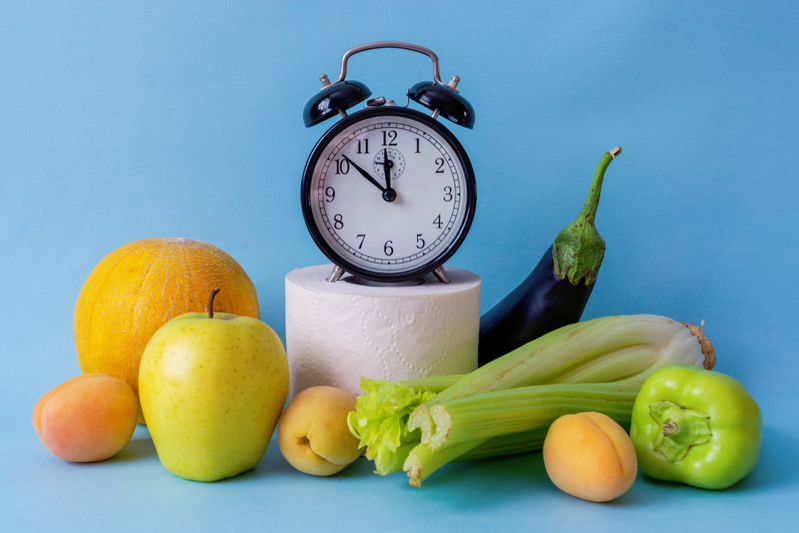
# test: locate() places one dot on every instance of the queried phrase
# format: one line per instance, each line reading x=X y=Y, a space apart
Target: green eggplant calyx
x=579 y=249
x=682 y=429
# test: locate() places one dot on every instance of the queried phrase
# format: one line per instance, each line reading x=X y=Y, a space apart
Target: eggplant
x=556 y=291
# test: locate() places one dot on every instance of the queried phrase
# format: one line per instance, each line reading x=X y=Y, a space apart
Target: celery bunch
x=506 y=406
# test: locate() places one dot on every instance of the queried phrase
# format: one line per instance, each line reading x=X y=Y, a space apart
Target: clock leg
x=336 y=274
x=441 y=274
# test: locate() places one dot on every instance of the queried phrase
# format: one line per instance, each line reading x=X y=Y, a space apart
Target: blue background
x=127 y=120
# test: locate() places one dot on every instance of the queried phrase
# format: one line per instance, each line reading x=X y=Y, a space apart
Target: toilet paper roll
x=338 y=332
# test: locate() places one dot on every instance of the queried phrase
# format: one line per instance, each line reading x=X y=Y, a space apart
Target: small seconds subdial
x=396 y=161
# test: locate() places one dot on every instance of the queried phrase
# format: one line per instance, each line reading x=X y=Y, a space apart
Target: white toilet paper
x=338 y=332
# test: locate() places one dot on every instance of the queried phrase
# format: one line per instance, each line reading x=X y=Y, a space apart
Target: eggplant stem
x=578 y=250
x=588 y=212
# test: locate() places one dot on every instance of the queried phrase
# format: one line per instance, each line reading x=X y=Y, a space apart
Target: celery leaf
x=380 y=421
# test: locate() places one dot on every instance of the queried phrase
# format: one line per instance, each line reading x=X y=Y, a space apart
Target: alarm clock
x=388 y=193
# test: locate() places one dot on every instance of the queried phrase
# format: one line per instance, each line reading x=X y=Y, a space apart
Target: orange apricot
x=87 y=418
x=313 y=434
x=588 y=455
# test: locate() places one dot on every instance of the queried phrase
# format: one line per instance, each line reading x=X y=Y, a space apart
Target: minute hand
x=387 y=168
x=364 y=173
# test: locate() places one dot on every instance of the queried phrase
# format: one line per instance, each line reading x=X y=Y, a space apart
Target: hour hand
x=364 y=173
x=389 y=194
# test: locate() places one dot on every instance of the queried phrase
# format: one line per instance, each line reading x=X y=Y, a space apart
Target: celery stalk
x=432 y=384
x=527 y=408
x=614 y=366
x=423 y=461
x=514 y=443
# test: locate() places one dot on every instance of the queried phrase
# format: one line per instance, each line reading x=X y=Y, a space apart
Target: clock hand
x=389 y=195
x=364 y=173
x=387 y=168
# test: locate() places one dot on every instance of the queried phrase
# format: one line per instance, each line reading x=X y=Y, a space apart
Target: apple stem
x=210 y=307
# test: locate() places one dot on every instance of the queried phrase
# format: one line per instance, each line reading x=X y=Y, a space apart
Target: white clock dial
x=389 y=217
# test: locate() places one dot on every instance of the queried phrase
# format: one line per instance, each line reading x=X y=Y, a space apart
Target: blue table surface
x=127 y=120
x=133 y=492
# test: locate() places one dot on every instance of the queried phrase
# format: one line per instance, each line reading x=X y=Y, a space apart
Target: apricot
x=590 y=456
x=313 y=434
x=87 y=418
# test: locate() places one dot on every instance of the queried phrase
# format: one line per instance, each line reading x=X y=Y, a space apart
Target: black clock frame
x=316 y=233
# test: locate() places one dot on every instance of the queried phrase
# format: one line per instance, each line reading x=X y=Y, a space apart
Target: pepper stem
x=210 y=307
x=682 y=429
x=578 y=250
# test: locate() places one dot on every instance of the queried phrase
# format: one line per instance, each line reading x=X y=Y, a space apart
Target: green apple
x=212 y=387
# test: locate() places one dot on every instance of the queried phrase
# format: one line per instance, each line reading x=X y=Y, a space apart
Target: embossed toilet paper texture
x=338 y=332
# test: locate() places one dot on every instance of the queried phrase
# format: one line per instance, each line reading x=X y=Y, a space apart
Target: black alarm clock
x=388 y=193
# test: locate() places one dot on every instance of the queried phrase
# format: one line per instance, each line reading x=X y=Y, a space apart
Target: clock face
x=388 y=194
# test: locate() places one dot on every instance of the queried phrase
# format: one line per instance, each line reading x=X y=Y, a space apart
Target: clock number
x=417 y=145
x=330 y=193
x=447 y=193
x=437 y=222
x=419 y=241
x=440 y=163
x=361 y=236
x=387 y=249
x=365 y=146
x=338 y=222
x=389 y=138
x=342 y=166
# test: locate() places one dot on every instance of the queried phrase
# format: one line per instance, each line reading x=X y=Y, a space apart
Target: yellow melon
x=136 y=289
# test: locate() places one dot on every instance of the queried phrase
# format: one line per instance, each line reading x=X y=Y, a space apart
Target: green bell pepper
x=697 y=427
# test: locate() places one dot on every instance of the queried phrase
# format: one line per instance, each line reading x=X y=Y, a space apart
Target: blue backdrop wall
x=126 y=120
